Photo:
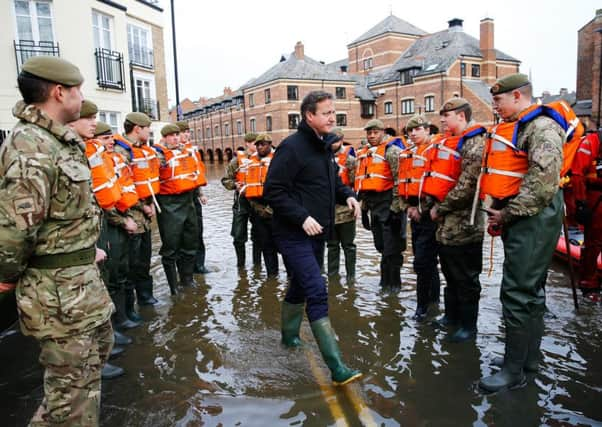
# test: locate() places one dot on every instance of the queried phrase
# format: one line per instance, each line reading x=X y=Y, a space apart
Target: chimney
x=299 y=51
x=227 y=90
x=455 y=24
x=564 y=91
x=488 y=69
x=344 y=69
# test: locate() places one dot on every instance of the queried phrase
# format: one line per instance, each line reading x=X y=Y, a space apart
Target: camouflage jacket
x=136 y=212
x=342 y=213
x=455 y=210
x=542 y=138
x=49 y=208
x=229 y=180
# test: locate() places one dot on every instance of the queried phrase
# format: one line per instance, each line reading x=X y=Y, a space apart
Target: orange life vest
x=243 y=162
x=257 y=171
x=341 y=159
x=104 y=181
x=201 y=177
x=412 y=161
x=564 y=115
x=444 y=162
x=179 y=173
x=373 y=172
x=144 y=165
x=129 y=196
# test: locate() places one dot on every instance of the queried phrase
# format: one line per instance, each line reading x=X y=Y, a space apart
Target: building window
x=144 y=100
x=111 y=118
x=102 y=28
x=388 y=108
x=429 y=104
x=139 y=46
x=293 y=121
x=226 y=129
x=268 y=96
x=406 y=77
x=208 y=132
x=216 y=130
x=367 y=63
x=292 y=93
x=340 y=92
x=268 y=123
x=367 y=110
x=34 y=20
x=239 y=127
x=475 y=70
x=251 y=100
x=253 y=125
x=407 y=106
x=341 y=119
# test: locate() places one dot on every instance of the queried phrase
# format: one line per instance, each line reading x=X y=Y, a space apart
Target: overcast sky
x=228 y=42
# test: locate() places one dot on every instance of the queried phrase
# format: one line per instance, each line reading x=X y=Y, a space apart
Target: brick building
x=392 y=71
x=589 y=79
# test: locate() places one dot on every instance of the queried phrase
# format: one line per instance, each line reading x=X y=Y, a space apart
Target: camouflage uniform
x=344 y=230
x=48 y=209
x=461 y=244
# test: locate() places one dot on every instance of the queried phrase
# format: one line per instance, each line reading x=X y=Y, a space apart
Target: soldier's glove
x=494 y=231
x=366 y=220
x=583 y=214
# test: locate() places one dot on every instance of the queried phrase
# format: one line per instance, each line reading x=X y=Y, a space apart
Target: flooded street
x=212 y=355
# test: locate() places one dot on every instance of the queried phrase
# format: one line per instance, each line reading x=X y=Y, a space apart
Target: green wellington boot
x=511 y=375
x=324 y=335
x=291 y=317
x=534 y=353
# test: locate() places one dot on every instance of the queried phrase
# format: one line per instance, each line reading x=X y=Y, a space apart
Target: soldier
x=375 y=184
x=261 y=213
x=344 y=220
x=521 y=172
x=234 y=180
x=199 y=198
x=177 y=219
x=454 y=166
x=49 y=225
x=417 y=204
x=144 y=166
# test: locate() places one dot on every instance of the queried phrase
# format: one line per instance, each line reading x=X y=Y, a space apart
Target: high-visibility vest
x=201 y=178
x=144 y=165
x=179 y=173
x=129 y=196
x=243 y=161
x=412 y=161
x=105 y=185
x=257 y=171
x=341 y=159
x=444 y=162
x=373 y=172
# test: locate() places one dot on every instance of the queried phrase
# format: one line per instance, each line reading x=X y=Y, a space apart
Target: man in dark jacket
x=302 y=188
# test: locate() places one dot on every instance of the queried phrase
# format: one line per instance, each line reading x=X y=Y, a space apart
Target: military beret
x=250 y=136
x=53 y=69
x=374 y=124
x=453 y=104
x=139 y=119
x=263 y=137
x=417 y=121
x=508 y=83
x=88 y=109
x=337 y=131
x=183 y=125
x=102 y=129
x=170 y=129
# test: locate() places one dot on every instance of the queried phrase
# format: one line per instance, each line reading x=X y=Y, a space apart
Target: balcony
x=109 y=69
x=25 y=49
x=148 y=106
x=141 y=57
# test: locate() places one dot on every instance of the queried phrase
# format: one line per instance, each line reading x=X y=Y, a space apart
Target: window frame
x=429 y=101
x=388 y=110
x=34 y=20
x=340 y=92
x=295 y=90
x=341 y=123
x=405 y=106
x=291 y=124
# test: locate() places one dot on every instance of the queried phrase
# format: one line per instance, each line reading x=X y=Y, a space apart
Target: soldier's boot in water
x=291 y=318
x=144 y=291
x=121 y=339
x=120 y=319
x=171 y=274
x=256 y=256
x=130 y=306
x=199 y=262
x=116 y=351
x=186 y=269
x=451 y=318
x=241 y=256
x=111 y=371
x=271 y=263
x=350 y=260
x=423 y=287
x=511 y=375
x=333 y=259
x=468 y=324
x=327 y=342
x=394 y=272
x=534 y=352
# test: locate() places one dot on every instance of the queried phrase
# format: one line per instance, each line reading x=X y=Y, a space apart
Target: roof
x=583 y=108
x=336 y=65
x=299 y=69
x=569 y=97
x=435 y=53
x=391 y=24
x=479 y=88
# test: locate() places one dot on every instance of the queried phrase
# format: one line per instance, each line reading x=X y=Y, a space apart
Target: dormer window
x=406 y=77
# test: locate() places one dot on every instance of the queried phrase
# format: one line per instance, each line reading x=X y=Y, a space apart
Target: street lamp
x=175 y=61
x=599 y=31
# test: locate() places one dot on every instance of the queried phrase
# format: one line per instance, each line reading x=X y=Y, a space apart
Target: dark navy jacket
x=303 y=181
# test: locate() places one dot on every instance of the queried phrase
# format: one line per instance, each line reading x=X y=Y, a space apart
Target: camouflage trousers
x=72 y=378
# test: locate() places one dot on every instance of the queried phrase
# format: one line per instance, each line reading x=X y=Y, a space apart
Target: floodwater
x=212 y=355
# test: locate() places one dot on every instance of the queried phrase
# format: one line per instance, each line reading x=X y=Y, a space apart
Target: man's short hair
x=390 y=132
x=34 y=90
x=128 y=126
x=311 y=101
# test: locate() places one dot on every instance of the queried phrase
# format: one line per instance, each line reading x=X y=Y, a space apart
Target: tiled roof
x=391 y=24
x=479 y=88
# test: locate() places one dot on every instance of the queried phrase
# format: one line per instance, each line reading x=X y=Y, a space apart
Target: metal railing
x=25 y=49
x=148 y=106
x=109 y=69
x=141 y=57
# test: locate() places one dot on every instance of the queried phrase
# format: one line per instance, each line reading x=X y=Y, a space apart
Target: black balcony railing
x=25 y=49
x=109 y=69
x=148 y=106
x=141 y=57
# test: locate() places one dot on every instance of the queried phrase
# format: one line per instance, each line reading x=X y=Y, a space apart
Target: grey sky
x=227 y=42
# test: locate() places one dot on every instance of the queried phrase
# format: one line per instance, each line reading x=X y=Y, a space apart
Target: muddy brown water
x=211 y=356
